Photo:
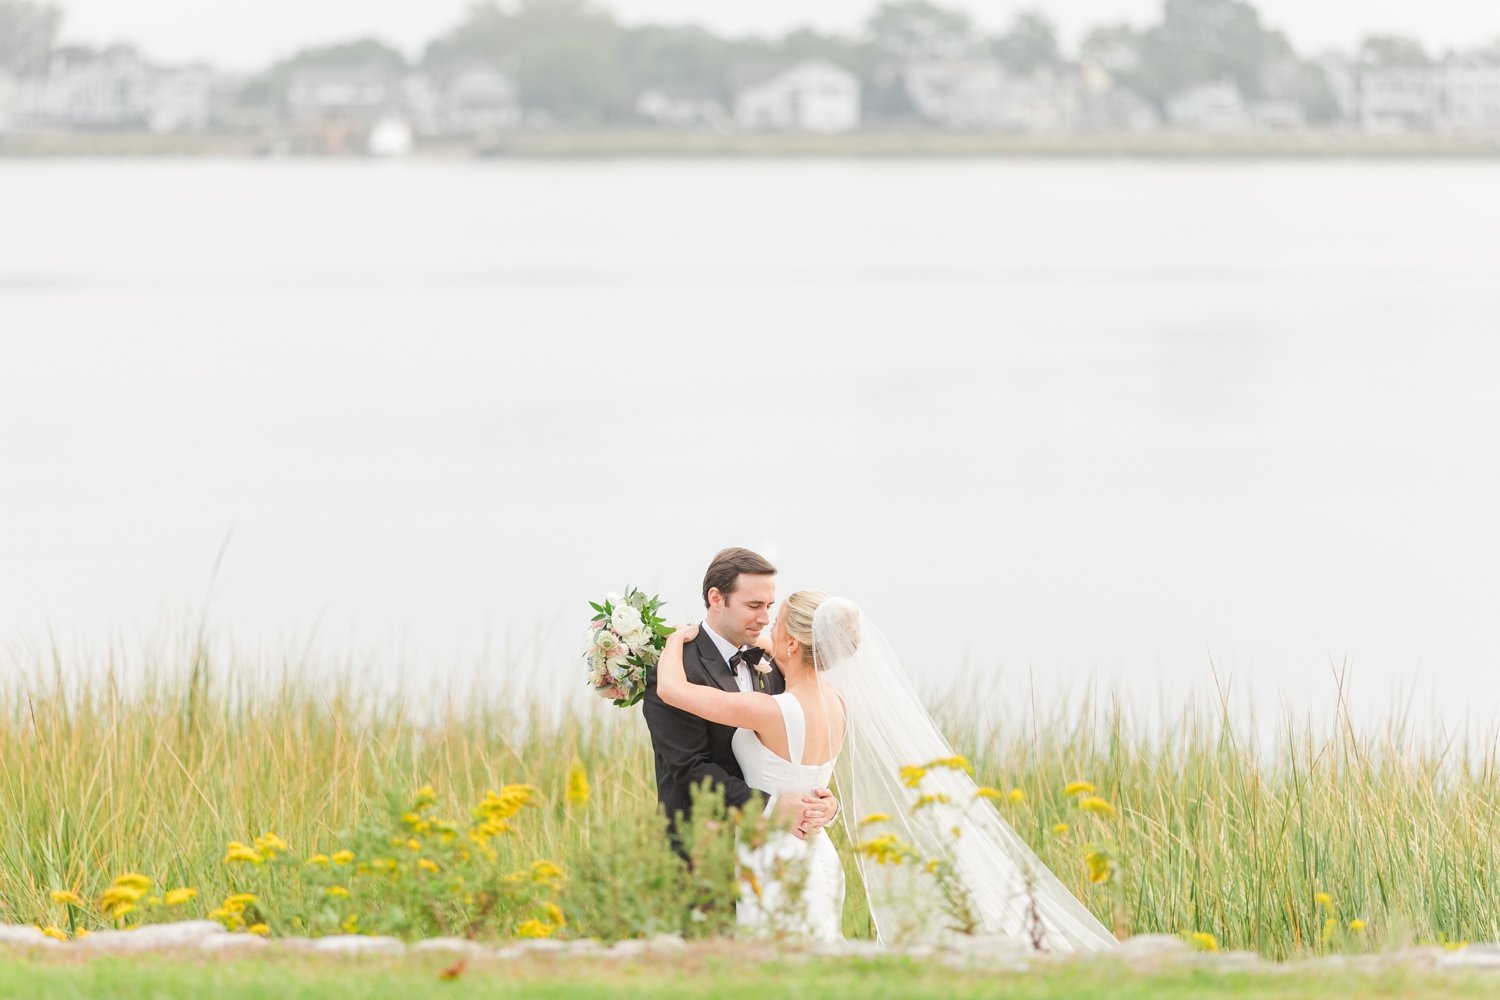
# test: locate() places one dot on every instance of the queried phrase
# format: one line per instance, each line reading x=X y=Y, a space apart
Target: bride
x=935 y=856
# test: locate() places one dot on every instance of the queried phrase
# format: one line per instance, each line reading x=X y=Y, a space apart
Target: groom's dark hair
x=724 y=572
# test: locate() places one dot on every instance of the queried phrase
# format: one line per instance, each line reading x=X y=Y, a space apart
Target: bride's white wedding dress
x=771 y=902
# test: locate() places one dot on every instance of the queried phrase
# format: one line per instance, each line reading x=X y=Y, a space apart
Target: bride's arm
x=745 y=710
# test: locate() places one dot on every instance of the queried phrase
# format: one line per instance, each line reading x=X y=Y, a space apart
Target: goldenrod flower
x=411 y=819
x=1101 y=867
x=336 y=892
x=1323 y=899
x=414 y=844
x=55 y=933
x=1016 y=796
x=510 y=800
x=578 y=785
x=238 y=852
x=1356 y=925
x=554 y=913
x=178 y=897
x=886 y=850
x=426 y=796
x=1078 y=788
x=260 y=929
x=1204 y=942
x=1095 y=804
x=535 y=929
x=236 y=903
x=989 y=793
x=117 y=895
x=80 y=934
x=957 y=762
x=343 y=857
x=318 y=860
x=545 y=871
x=66 y=896
x=269 y=844
x=930 y=799
x=427 y=865
x=912 y=775
x=120 y=910
x=1060 y=828
x=350 y=924
x=133 y=880
x=875 y=818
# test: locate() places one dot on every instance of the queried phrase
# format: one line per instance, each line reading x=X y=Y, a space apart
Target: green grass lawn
x=705 y=977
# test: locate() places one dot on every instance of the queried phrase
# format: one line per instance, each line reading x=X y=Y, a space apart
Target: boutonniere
x=762 y=671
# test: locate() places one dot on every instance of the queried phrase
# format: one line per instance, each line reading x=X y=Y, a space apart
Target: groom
x=738 y=590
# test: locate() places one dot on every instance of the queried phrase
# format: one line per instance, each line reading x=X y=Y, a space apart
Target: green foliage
x=1393 y=50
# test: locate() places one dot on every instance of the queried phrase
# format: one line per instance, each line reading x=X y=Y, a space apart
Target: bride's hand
x=684 y=633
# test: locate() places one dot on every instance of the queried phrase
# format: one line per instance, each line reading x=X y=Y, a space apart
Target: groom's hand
x=820 y=809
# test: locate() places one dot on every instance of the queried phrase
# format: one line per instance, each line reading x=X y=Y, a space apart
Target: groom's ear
x=714 y=598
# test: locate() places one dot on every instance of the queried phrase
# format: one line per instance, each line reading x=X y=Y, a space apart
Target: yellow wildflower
x=80 y=934
x=116 y=895
x=411 y=819
x=1101 y=867
x=875 y=818
x=178 y=897
x=886 y=850
x=578 y=785
x=933 y=864
x=427 y=865
x=153 y=900
x=133 y=880
x=350 y=924
x=1078 y=788
x=1095 y=804
x=1204 y=942
x=1060 y=828
x=912 y=775
x=343 y=857
x=989 y=793
x=957 y=762
x=554 y=913
x=238 y=852
x=426 y=796
x=260 y=929
x=336 y=892
x=414 y=844
x=927 y=800
x=318 y=860
x=545 y=871
x=55 y=933
x=535 y=929
x=118 y=913
x=1356 y=925
x=268 y=845
x=66 y=896
x=1016 y=796
x=237 y=902
x=510 y=800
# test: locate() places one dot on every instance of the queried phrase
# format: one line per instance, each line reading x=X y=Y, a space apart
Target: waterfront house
x=356 y=93
x=682 y=106
x=472 y=99
x=810 y=96
x=1209 y=107
x=982 y=95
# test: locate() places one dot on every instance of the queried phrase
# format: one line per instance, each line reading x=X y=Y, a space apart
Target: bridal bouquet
x=625 y=639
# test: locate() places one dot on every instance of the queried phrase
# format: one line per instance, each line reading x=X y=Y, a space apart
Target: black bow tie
x=750 y=656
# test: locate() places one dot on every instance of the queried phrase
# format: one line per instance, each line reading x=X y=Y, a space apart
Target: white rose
x=625 y=619
x=637 y=639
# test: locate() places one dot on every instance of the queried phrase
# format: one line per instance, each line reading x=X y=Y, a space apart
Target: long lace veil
x=935 y=847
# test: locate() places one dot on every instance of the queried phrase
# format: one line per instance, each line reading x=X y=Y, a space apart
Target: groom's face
x=746 y=611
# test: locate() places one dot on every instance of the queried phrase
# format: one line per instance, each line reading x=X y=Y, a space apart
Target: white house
x=1399 y=98
x=85 y=89
x=472 y=99
x=1209 y=107
x=812 y=96
x=681 y=107
x=957 y=95
x=1471 y=91
x=181 y=100
x=359 y=93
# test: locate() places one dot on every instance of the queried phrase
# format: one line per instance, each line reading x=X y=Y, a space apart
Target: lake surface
x=1052 y=419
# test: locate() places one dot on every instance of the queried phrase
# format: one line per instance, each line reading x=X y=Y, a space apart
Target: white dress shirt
x=727 y=649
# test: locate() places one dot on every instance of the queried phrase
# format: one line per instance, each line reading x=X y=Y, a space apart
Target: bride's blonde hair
x=797 y=614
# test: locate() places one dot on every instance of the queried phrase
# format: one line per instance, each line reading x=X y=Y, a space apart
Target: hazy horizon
x=245 y=34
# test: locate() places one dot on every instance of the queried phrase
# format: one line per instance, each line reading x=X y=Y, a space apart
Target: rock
x=1154 y=946
x=25 y=936
x=1475 y=956
x=154 y=937
x=586 y=948
x=1418 y=958
x=230 y=945
x=540 y=946
x=665 y=944
x=1236 y=961
x=449 y=945
x=358 y=944
x=626 y=949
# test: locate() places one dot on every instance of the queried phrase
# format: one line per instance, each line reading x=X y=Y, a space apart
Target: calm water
x=1050 y=419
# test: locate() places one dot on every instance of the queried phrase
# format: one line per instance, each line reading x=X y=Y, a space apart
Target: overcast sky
x=247 y=33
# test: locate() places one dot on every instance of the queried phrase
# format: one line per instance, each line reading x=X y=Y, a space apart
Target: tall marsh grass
x=1272 y=844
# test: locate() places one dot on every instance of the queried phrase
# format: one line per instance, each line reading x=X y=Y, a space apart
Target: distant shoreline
x=871 y=145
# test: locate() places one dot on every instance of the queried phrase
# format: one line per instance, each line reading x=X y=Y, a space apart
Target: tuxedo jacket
x=689 y=749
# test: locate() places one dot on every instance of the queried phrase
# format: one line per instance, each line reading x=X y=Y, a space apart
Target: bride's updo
x=838 y=626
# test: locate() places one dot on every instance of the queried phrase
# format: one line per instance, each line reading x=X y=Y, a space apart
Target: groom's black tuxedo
x=690 y=749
